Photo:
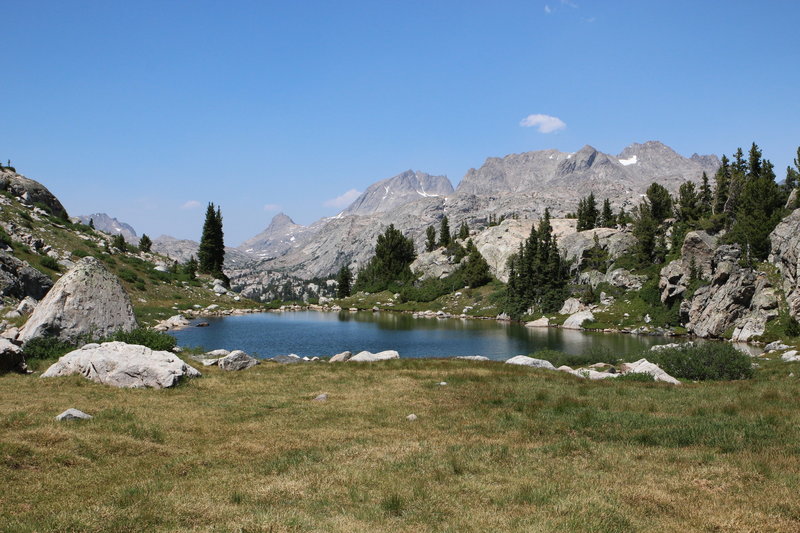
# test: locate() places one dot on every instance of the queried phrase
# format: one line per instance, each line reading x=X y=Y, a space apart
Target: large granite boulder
x=123 y=365
x=575 y=321
x=88 y=301
x=435 y=264
x=18 y=279
x=237 y=360
x=524 y=360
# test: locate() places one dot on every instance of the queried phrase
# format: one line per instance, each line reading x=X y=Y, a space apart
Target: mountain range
x=521 y=185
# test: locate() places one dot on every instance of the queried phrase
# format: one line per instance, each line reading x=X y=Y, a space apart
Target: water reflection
x=311 y=333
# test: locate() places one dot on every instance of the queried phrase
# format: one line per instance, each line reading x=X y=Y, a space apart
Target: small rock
x=321 y=398
x=472 y=358
x=539 y=323
x=790 y=356
x=411 y=417
x=201 y=325
x=73 y=414
x=442 y=383
x=286 y=359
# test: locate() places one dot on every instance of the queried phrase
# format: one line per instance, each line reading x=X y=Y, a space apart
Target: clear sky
x=147 y=110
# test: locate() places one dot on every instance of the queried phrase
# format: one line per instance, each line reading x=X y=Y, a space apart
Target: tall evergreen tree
x=688 y=208
x=722 y=188
x=587 y=213
x=706 y=197
x=343 y=280
x=463 y=231
x=430 y=241
x=607 y=218
x=211 y=253
x=444 y=232
x=792 y=177
x=645 y=229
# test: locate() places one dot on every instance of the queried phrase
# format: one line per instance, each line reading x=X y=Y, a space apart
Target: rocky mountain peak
x=280 y=221
x=108 y=224
x=393 y=192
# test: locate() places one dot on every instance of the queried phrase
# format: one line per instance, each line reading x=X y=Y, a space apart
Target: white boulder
x=530 y=361
x=123 y=365
x=576 y=320
x=369 y=357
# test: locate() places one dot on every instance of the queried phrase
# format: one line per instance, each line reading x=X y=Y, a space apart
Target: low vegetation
x=499 y=448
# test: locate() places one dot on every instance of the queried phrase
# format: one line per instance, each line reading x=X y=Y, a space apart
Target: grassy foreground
x=500 y=448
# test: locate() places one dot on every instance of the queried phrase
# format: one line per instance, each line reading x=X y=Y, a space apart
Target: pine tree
x=190 y=267
x=792 y=177
x=430 y=243
x=394 y=253
x=475 y=271
x=688 y=208
x=723 y=180
x=607 y=218
x=343 y=279
x=145 y=244
x=660 y=202
x=587 y=213
x=596 y=257
x=463 y=231
x=118 y=242
x=444 y=232
x=645 y=229
x=91 y=223
x=211 y=253
x=623 y=219
x=706 y=197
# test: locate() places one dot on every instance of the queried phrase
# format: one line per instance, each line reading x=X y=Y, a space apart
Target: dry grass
x=500 y=448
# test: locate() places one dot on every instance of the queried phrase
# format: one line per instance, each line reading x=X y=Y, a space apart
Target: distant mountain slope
x=523 y=185
x=584 y=171
x=393 y=192
x=110 y=225
x=182 y=249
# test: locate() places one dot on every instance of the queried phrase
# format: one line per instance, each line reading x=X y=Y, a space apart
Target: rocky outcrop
x=18 y=279
x=785 y=254
x=643 y=366
x=575 y=321
x=435 y=264
x=31 y=192
x=88 y=301
x=727 y=304
x=123 y=365
x=614 y=241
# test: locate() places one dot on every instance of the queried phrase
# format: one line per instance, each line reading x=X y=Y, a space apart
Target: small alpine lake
x=314 y=333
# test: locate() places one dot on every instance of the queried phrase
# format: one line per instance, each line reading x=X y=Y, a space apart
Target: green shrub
x=80 y=253
x=47 y=348
x=49 y=262
x=707 y=361
x=129 y=275
x=5 y=238
x=155 y=340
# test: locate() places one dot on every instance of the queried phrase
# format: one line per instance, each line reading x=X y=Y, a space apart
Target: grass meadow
x=499 y=448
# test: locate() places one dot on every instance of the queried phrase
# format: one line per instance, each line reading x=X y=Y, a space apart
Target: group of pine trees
x=538 y=274
x=589 y=217
x=445 y=238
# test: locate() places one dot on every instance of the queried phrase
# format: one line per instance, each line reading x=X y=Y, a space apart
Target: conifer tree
x=190 y=267
x=145 y=244
x=475 y=271
x=211 y=253
x=607 y=218
x=394 y=253
x=91 y=223
x=587 y=213
x=444 y=232
x=723 y=180
x=688 y=208
x=463 y=231
x=660 y=202
x=792 y=177
x=430 y=242
x=706 y=197
x=343 y=280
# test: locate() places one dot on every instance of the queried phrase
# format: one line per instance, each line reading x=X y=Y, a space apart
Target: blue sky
x=149 y=110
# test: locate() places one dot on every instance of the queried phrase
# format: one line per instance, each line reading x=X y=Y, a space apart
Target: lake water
x=310 y=333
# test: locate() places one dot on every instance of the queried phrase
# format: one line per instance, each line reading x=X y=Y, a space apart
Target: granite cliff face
x=31 y=192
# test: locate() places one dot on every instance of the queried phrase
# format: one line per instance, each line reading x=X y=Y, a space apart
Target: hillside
x=42 y=236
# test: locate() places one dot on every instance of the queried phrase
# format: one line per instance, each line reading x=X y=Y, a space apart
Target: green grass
x=500 y=448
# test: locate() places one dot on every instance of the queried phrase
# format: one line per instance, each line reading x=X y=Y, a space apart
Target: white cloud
x=191 y=204
x=344 y=200
x=272 y=207
x=548 y=9
x=544 y=123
